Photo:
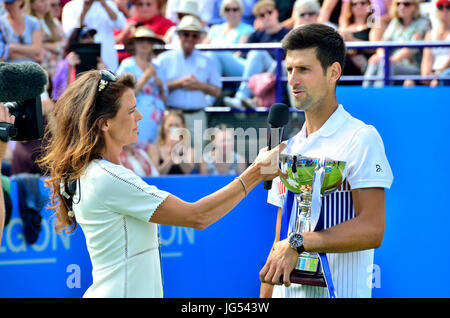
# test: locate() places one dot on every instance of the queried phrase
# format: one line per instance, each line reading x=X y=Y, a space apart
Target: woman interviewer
x=94 y=118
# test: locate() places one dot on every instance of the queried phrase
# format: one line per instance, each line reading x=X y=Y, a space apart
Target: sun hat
x=190 y=23
x=189 y=7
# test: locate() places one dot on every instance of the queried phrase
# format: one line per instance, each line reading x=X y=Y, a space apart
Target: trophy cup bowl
x=300 y=172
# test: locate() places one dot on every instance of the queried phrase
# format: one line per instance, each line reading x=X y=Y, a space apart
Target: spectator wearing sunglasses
x=22 y=32
x=357 y=27
x=118 y=212
x=205 y=9
x=184 y=8
x=436 y=61
x=306 y=12
x=407 y=24
x=146 y=12
x=232 y=31
x=101 y=15
x=190 y=75
x=259 y=61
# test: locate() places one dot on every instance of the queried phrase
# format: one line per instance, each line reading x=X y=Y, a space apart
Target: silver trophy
x=309 y=178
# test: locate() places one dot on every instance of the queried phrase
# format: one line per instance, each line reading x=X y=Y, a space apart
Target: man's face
x=188 y=40
x=309 y=83
x=268 y=16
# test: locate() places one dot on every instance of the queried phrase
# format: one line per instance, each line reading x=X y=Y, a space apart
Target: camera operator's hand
x=4 y=118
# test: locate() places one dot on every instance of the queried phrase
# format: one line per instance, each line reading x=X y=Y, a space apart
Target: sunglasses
x=441 y=7
x=142 y=4
x=232 y=10
x=263 y=14
x=187 y=35
x=406 y=4
x=106 y=78
x=359 y=3
x=307 y=14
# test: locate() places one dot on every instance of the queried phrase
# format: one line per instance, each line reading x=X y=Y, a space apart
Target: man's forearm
x=350 y=236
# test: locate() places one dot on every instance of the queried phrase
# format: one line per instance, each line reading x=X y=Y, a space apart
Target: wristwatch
x=296 y=242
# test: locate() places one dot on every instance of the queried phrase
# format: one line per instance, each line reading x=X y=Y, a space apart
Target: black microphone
x=21 y=85
x=277 y=119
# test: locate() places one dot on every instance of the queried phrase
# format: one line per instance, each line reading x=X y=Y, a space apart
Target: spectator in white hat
x=190 y=74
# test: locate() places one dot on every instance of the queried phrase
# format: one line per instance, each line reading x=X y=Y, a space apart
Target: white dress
x=113 y=206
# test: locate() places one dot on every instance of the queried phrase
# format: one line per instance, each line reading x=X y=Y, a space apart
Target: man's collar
x=329 y=127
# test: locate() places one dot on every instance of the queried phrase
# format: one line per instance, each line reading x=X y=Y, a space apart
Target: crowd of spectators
x=174 y=86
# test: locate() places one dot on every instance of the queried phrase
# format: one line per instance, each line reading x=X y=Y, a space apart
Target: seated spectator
x=138 y=161
x=101 y=15
x=185 y=7
x=306 y=12
x=436 y=61
x=377 y=20
x=205 y=9
x=191 y=76
x=356 y=28
x=146 y=13
x=55 y=7
x=22 y=33
x=171 y=154
x=52 y=34
x=406 y=25
x=232 y=31
x=259 y=61
x=150 y=88
x=222 y=159
x=66 y=69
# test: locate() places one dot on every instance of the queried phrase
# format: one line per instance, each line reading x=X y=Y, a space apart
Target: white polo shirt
x=348 y=139
x=114 y=209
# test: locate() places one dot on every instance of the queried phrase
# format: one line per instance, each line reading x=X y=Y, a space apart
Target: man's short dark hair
x=330 y=46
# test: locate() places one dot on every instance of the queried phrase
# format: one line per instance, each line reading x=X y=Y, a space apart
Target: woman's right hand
x=268 y=162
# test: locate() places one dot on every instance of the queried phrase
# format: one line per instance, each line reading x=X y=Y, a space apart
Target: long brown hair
x=49 y=20
x=75 y=136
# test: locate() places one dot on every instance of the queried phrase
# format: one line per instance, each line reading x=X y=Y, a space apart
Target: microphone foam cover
x=21 y=81
x=278 y=115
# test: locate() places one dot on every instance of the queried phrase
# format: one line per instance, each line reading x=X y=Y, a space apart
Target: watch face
x=296 y=240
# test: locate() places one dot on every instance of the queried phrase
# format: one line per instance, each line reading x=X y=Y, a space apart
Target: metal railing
x=388 y=46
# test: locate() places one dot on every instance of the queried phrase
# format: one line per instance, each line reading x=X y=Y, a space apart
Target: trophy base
x=307 y=278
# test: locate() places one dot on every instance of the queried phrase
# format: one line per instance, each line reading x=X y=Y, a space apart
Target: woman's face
x=41 y=6
x=443 y=14
x=405 y=8
x=232 y=12
x=123 y=128
x=13 y=5
x=360 y=8
x=146 y=9
x=142 y=46
x=171 y=127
